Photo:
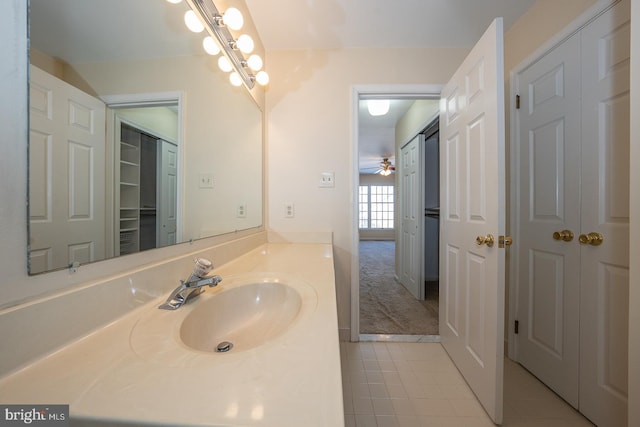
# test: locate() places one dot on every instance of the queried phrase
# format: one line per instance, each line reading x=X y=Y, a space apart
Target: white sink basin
x=245 y=316
x=251 y=311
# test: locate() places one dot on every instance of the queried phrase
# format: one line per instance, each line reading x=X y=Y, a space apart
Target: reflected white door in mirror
x=70 y=152
x=66 y=175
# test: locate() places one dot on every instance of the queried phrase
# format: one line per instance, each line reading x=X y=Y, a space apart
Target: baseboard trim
x=399 y=338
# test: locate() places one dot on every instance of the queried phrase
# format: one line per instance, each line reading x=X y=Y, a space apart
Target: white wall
x=309 y=130
x=222 y=130
x=421 y=113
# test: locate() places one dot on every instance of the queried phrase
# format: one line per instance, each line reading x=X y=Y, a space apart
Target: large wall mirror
x=137 y=140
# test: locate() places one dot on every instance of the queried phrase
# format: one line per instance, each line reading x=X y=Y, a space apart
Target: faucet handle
x=203 y=267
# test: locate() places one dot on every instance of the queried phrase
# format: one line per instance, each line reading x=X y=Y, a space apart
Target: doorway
x=387 y=309
x=144 y=135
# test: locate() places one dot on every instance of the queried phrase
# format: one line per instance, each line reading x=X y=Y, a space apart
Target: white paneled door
x=604 y=272
x=66 y=174
x=549 y=184
x=167 y=184
x=411 y=240
x=472 y=188
x=573 y=221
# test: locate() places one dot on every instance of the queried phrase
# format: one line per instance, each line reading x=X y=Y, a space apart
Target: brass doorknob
x=485 y=240
x=593 y=239
x=564 y=235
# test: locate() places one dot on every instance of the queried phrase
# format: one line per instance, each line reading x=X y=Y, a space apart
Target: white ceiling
x=326 y=24
x=330 y=24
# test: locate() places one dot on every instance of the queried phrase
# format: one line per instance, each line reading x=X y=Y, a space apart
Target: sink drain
x=224 y=346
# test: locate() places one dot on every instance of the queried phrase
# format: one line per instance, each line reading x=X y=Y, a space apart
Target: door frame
x=598 y=8
x=141 y=100
x=390 y=90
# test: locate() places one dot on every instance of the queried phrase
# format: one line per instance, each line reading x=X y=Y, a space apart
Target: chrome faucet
x=193 y=286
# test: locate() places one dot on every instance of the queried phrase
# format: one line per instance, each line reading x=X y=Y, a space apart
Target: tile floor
x=401 y=384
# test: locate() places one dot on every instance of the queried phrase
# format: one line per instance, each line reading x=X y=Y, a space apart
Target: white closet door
x=411 y=275
x=66 y=173
x=548 y=175
x=472 y=194
x=167 y=193
x=573 y=297
x=605 y=210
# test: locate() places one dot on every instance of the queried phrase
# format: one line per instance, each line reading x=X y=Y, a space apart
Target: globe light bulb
x=233 y=19
x=235 y=79
x=262 y=78
x=210 y=46
x=255 y=62
x=224 y=64
x=245 y=43
x=174 y=1
x=192 y=22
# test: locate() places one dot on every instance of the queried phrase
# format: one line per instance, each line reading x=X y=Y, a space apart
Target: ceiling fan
x=386 y=168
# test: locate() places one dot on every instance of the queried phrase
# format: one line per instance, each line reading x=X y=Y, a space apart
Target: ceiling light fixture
x=218 y=25
x=378 y=107
x=386 y=167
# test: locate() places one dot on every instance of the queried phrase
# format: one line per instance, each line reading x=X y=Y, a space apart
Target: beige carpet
x=386 y=307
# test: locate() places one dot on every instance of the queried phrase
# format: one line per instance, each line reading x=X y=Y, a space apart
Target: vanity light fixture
x=210 y=46
x=224 y=64
x=262 y=78
x=245 y=43
x=232 y=18
x=254 y=62
x=235 y=79
x=192 y=21
x=248 y=71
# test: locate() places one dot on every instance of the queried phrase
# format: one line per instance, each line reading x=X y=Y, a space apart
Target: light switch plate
x=327 y=179
x=289 y=210
x=205 y=180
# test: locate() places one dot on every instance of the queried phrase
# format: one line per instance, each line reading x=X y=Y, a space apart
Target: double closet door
x=572 y=174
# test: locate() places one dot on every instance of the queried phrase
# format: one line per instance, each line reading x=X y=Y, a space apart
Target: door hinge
x=517 y=102
x=516 y=327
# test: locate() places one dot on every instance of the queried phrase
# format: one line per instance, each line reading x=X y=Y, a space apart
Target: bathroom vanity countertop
x=294 y=380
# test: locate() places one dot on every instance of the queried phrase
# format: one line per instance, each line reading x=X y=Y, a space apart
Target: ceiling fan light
x=378 y=107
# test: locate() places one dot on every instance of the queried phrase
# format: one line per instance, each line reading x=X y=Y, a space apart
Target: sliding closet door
x=411 y=214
